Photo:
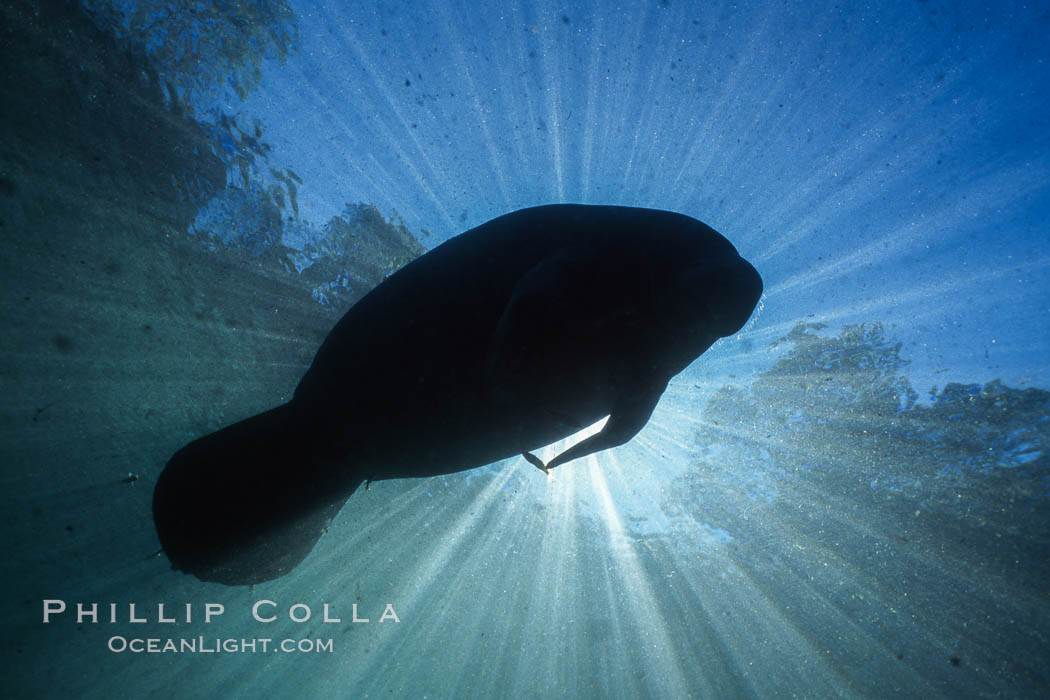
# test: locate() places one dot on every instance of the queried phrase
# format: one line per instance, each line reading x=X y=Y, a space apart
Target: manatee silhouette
x=502 y=340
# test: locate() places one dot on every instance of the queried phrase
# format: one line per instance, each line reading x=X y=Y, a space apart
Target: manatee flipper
x=629 y=416
x=535 y=461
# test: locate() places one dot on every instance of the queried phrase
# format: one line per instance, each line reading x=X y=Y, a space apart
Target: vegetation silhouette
x=198 y=46
x=836 y=492
x=844 y=404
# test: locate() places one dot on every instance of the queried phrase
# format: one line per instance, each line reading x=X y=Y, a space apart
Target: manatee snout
x=721 y=294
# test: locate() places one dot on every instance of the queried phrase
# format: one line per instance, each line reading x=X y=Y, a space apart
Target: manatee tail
x=247 y=503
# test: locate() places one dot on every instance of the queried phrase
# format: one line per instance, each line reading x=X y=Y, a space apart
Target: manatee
x=504 y=339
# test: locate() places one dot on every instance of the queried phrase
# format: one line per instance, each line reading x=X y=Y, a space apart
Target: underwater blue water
x=849 y=498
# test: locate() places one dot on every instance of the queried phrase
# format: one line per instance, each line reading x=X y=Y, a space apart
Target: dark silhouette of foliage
x=841 y=407
x=197 y=45
x=187 y=49
x=835 y=489
x=90 y=112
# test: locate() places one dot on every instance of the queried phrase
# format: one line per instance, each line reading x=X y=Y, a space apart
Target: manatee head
x=718 y=295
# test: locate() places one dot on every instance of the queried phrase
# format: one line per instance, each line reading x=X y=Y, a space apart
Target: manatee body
x=502 y=340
